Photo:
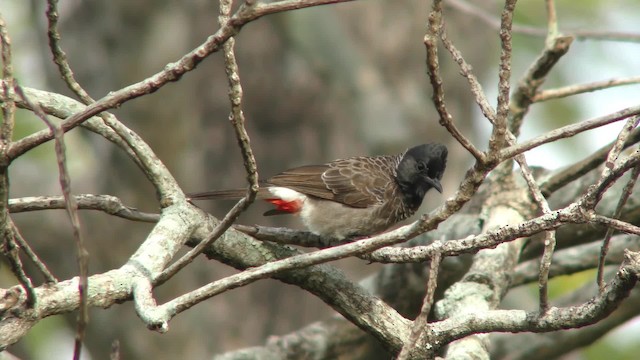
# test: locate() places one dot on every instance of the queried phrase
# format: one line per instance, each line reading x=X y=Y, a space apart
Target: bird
x=354 y=197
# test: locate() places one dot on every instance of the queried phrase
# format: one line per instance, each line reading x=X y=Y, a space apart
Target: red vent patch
x=286 y=206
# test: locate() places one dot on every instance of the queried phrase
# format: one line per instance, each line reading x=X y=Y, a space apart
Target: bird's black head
x=419 y=170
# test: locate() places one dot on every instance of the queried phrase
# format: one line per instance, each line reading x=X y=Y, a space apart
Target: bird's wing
x=304 y=179
x=357 y=182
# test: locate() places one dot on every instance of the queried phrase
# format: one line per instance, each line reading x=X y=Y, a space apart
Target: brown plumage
x=359 y=196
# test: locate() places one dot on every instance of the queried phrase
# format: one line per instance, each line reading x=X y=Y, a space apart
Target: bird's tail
x=229 y=194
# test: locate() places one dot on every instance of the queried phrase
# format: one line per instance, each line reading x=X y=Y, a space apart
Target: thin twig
x=535 y=76
x=22 y=243
x=187 y=258
x=8 y=104
x=549 y=236
x=543 y=275
x=618 y=146
x=582 y=167
x=11 y=251
x=617 y=224
x=6 y=129
x=59 y=56
x=435 y=28
x=534 y=189
x=237 y=119
x=421 y=322
x=604 y=35
x=626 y=193
x=492 y=238
x=72 y=210
x=556 y=43
x=545 y=95
x=569 y=131
x=171 y=72
x=9 y=246
x=6 y=134
x=105 y=203
x=552 y=23
x=610 y=164
x=62 y=107
x=590 y=312
x=467 y=72
x=498 y=137
x=60 y=59
x=288 y=236
x=595 y=193
x=250 y=275
x=575 y=259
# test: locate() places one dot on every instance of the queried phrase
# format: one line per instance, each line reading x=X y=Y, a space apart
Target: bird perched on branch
x=358 y=196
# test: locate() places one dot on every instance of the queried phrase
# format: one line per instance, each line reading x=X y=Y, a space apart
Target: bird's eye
x=421 y=166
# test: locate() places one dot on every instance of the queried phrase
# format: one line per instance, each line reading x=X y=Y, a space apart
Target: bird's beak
x=434 y=183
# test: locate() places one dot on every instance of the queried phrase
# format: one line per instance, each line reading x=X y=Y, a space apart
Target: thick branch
x=588 y=313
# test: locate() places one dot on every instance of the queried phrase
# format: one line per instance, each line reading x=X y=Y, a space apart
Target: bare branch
x=11 y=251
x=575 y=171
x=552 y=23
x=71 y=206
x=105 y=203
x=484 y=285
x=359 y=247
x=534 y=78
x=304 y=260
x=110 y=126
x=218 y=231
x=330 y=338
x=557 y=343
x=420 y=323
x=499 y=133
x=435 y=28
x=22 y=243
x=452 y=247
x=8 y=106
x=613 y=157
x=237 y=120
x=61 y=107
x=595 y=192
x=605 y=35
x=474 y=84
x=171 y=72
x=545 y=95
x=549 y=236
x=545 y=265
x=555 y=48
x=569 y=131
x=6 y=134
x=575 y=259
x=59 y=56
x=514 y=321
x=626 y=193
x=618 y=224
x=352 y=301
x=113 y=130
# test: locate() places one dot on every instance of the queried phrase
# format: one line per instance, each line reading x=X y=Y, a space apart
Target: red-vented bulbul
x=354 y=197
